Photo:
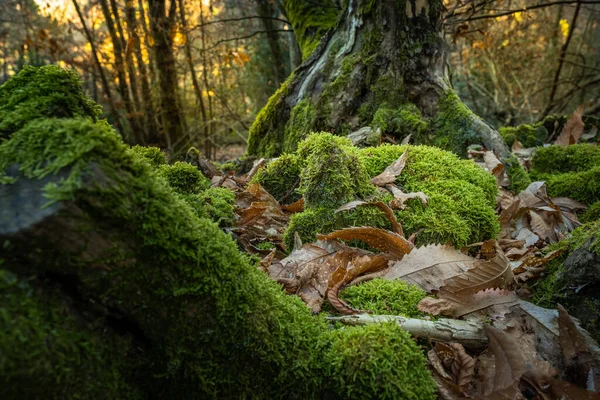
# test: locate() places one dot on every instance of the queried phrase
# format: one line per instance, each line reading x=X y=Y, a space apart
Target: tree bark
x=161 y=24
x=265 y=9
x=382 y=56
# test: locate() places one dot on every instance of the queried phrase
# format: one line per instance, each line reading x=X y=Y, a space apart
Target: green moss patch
x=152 y=154
x=528 y=135
x=46 y=92
x=281 y=178
x=452 y=127
x=383 y=296
x=560 y=159
x=184 y=178
x=400 y=122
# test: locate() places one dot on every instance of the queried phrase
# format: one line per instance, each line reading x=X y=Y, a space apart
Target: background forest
x=513 y=62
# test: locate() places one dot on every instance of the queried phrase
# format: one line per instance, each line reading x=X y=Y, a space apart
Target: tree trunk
x=383 y=65
x=161 y=24
x=265 y=9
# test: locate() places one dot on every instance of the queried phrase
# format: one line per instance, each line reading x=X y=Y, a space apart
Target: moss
x=333 y=173
x=47 y=353
x=263 y=138
x=574 y=158
x=184 y=178
x=265 y=246
x=43 y=92
x=592 y=213
x=452 y=126
x=582 y=186
x=152 y=154
x=331 y=91
x=354 y=355
x=518 y=177
x=528 y=135
x=280 y=177
x=213 y=319
x=216 y=204
x=400 y=122
x=429 y=164
x=300 y=124
x=383 y=296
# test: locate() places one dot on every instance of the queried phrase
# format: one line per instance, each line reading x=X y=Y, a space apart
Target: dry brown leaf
x=488 y=302
x=386 y=241
x=295 y=207
x=534 y=261
x=573 y=129
x=489 y=274
x=390 y=174
x=437 y=365
x=516 y=146
x=434 y=306
x=463 y=366
x=492 y=164
x=569 y=204
x=382 y=206
x=582 y=363
x=400 y=197
x=541 y=227
x=510 y=364
x=430 y=266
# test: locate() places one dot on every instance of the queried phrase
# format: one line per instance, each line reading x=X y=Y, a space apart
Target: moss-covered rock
x=215 y=204
x=152 y=154
x=184 y=178
x=353 y=355
x=592 y=213
x=383 y=296
x=46 y=352
x=560 y=159
x=301 y=123
x=45 y=92
x=215 y=325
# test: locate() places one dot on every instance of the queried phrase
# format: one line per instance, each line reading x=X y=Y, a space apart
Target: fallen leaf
x=510 y=364
x=386 y=241
x=295 y=207
x=463 y=366
x=573 y=129
x=400 y=197
x=492 y=164
x=382 y=206
x=390 y=174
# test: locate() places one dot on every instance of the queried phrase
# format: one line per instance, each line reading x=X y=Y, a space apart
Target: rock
x=365 y=136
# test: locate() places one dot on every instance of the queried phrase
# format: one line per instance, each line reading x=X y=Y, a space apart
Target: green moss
x=215 y=204
x=400 y=122
x=452 y=126
x=265 y=246
x=574 y=158
x=429 y=164
x=592 y=213
x=528 y=135
x=333 y=173
x=43 y=92
x=263 y=138
x=383 y=296
x=310 y=21
x=582 y=186
x=153 y=154
x=354 y=355
x=331 y=91
x=47 y=353
x=518 y=177
x=300 y=124
x=184 y=178
x=280 y=177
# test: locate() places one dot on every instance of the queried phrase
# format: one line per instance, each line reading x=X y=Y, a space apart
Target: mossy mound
x=400 y=122
x=353 y=355
x=592 y=213
x=281 y=177
x=45 y=92
x=47 y=353
x=332 y=171
x=383 y=296
x=528 y=135
x=215 y=204
x=184 y=178
x=517 y=176
x=215 y=325
x=153 y=155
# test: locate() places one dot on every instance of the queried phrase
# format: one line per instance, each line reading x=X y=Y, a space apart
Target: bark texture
x=383 y=65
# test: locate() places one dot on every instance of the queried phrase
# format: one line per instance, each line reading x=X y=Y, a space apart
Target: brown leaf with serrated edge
x=534 y=261
x=429 y=266
x=573 y=129
x=389 y=214
x=390 y=174
x=489 y=274
x=386 y=241
x=437 y=364
x=463 y=366
x=583 y=366
x=485 y=299
x=509 y=362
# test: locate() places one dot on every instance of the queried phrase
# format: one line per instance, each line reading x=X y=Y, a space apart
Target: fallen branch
x=469 y=334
